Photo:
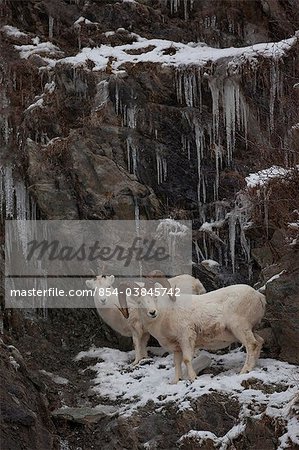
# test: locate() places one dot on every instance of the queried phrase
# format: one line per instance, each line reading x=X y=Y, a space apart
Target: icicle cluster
x=235 y=113
x=188 y=87
x=238 y=219
x=172 y=232
x=187 y=5
x=161 y=168
x=16 y=204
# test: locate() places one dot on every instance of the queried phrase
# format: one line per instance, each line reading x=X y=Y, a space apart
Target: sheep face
x=100 y=284
x=149 y=304
x=138 y=298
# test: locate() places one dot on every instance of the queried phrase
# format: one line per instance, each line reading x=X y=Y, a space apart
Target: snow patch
x=84 y=20
x=263 y=176
x=13 y=31
x=133 y=387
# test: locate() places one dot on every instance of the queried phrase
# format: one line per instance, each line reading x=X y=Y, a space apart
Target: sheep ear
x=90 y=283
x=160 y=286
x=112 y=279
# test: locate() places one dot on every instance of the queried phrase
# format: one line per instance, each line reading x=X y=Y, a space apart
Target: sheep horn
x=157 y=276
x=101 y=268
x=122 y=297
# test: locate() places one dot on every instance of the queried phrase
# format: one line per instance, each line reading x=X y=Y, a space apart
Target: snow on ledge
x=192 y=53
x=263 y=176
x=275 y=277
x=38 y=48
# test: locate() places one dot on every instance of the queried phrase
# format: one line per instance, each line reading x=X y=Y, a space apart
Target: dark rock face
x=25 y=419
x=283 y=307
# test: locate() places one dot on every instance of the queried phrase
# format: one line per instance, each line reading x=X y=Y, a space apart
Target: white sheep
x=213 y=321
x=108 y=307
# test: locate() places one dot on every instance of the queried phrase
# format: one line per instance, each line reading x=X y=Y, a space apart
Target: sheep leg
x=144 y=340
x=138 y=348
x=260 y=342
x=253 y=346
x=188 y=351
x=177 y=359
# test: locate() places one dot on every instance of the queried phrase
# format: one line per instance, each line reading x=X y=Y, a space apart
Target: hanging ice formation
x=276 y=90
x=131 y=156
x=129 y=114
x=16 y=204
x=188 y=87
x=161 y=168
x=238 y=220
x=234 y=115
x=187 y=5
x=102 y=95
x=51 y=26
x=172 y=232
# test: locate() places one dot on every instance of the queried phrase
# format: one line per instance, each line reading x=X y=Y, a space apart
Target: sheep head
x=144 y=301
x=100 y=284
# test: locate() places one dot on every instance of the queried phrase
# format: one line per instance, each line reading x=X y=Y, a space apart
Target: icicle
x=199 y=145
x=130 y=116
x=117 y=104
x=161 y=168
x=266 y=196
x=185 y=9
x=22 y=213
x=9 y=193
x=132 y=156
x=199 y=254
x=235 y=113
x=218 y=165
x=215 y=108
x=276 y=87
x=51 y=26
x=232 y=221
x=102 y=96
x=175 y=4
x=6 y=130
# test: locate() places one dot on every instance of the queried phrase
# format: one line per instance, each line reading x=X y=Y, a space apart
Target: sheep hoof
x=175 y=381
x=135 y=362
x=191 y=379
x=244 y=370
